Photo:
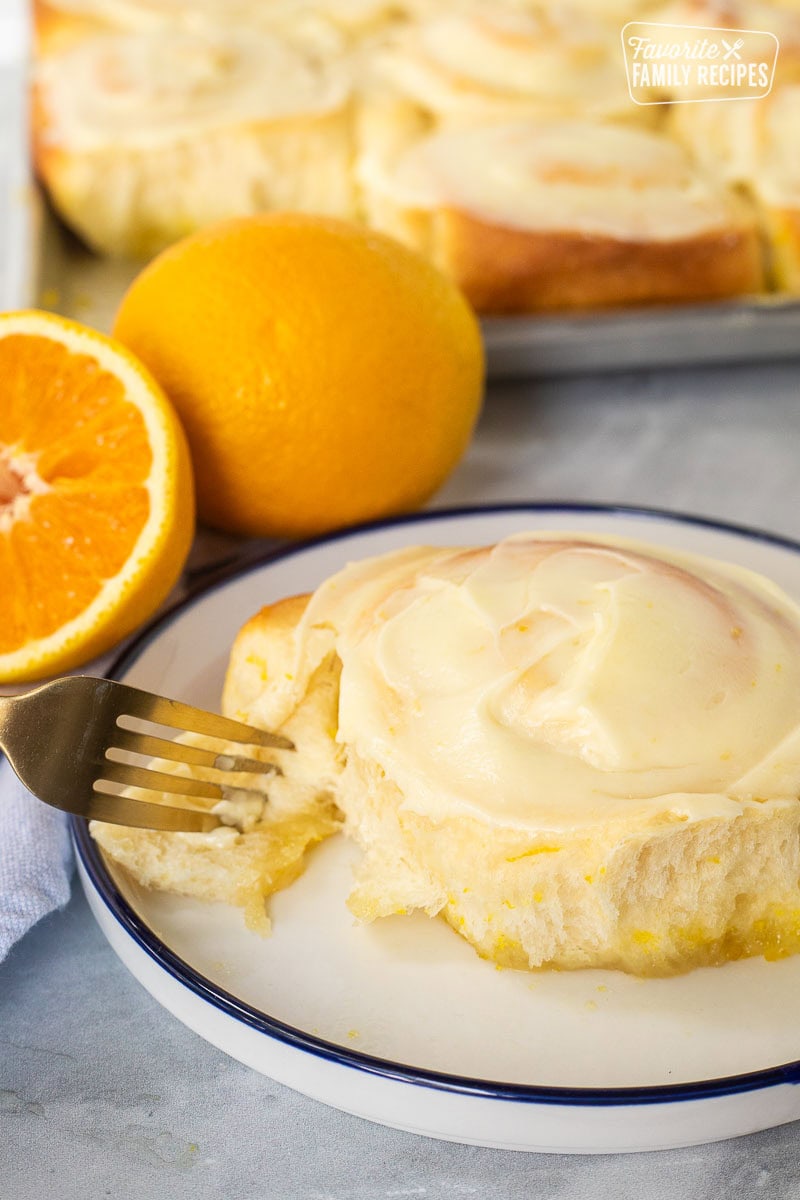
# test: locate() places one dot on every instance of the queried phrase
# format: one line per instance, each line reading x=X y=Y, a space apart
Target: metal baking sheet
x=751 y=330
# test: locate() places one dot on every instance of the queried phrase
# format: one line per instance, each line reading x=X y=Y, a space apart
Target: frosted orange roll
x=143 y=137
x=565 y=215
x=580 y=752
x=482 y=61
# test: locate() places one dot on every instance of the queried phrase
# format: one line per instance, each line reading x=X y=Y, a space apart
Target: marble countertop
x=103 y=1093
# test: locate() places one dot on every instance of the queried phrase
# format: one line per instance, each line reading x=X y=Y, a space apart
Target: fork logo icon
x=733 y=49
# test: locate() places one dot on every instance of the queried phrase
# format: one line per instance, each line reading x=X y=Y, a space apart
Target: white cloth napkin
x=35 y=859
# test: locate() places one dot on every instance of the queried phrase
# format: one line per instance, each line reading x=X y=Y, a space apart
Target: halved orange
x=96 y=495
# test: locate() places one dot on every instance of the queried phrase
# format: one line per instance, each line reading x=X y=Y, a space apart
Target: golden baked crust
x=261 y=652
x=783 y=229
x=56 y=29
x=505 y=270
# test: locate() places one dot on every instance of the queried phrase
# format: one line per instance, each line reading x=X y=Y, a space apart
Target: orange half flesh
x=96 y=498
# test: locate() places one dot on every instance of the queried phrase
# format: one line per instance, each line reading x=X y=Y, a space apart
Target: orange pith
x=96 y=496
x=80 y=455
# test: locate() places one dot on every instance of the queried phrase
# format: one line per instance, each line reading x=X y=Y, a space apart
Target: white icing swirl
x=568 y=175
x=554 y=682
x=154 y=88
x=485 y=58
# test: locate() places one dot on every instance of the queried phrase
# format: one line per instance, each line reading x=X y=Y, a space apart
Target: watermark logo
x=689 y=63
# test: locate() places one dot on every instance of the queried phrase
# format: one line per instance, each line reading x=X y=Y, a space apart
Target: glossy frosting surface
x=152 y=88
x=569 y=175
x=555 y=682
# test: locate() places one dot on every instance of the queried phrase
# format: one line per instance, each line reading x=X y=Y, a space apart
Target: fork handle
x=21 y=738
x=12 y=732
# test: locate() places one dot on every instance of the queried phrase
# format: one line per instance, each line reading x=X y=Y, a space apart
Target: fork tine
x=55 y=738
x=126 y=810
x=154 y=747
x=156 y=781
x=149 y=707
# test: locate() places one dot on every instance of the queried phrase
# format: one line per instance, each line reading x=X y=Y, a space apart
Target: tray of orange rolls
x=497 y=137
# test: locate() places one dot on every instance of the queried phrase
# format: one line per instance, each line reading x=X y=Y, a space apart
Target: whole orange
x=324 y=374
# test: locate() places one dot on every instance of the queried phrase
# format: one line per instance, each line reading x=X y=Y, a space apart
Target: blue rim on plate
x=92 y=861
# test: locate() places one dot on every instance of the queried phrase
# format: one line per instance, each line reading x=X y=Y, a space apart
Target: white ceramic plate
x=401 y=1022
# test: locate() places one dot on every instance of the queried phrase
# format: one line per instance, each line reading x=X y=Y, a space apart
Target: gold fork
x=63 y=741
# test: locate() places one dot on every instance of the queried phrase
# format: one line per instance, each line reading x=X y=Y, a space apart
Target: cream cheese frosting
x=600 y=180
x=144 y=14
x=154 y=88
x=556 y=682
x=484 y=58
x=750 y=143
